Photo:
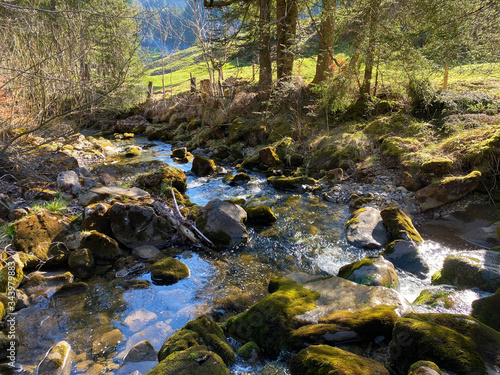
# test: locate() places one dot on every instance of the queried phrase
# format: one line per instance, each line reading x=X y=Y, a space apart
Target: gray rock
x=134 y=124
x=145 y=251
x=68 y=182
x=366 y=229
x=371 y=271
x=58 y=361
x=133 y=193
x=88 y=198
x=222 y=223
x=39 y=281
x=140 y=352
x=406 y=255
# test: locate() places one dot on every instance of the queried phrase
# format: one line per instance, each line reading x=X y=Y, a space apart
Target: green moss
x=2 y=310
x=433 y=299
x=157 y=180
x=290 y=183
x=270 y=322
x=399 y=223
x=239 y=201
x=16 y=278
x=487 y=310
x=472 y=175
x=397 y=146
x=327 y=360
x=101 y=246
x=354 y=217
x=428 y=364
x=169 y=271
x=246 y=350
x=260 y=215
x=348 y=269
x=228 y=178
x=195 y=360
x=202 y=331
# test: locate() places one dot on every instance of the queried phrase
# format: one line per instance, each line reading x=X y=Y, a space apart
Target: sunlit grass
x=56 y=205
x=7 y=234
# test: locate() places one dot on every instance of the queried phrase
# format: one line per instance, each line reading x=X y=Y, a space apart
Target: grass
x=57 y=205
x=7 y=234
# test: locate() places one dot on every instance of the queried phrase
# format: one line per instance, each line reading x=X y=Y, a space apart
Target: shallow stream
x=308 y=236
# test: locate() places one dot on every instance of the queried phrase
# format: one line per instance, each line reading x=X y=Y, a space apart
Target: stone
x=195 y=360
x=145 y=252
x=6 y=205
x=135 y=124
x=366 y=229
x=168 y=271
x=81 y=263
x=40 y=194
x=222 y=222
x=269 y=157
x=470 y=269
x=95 y=218
x=203 y=166
x=14 y=266
x=70 y=289
x=139 y=318
x=102 y=247
x=456 y=343
x=35 y=233
x=107 y=342
x=239 y=179
x=437 y=166
x=40 y=281
x=115 y=190
x=58 y=361
x=132 y=151
x=371 y=271
x=290 y=183
x=447 y=190
x=487 y=310
x=324 y=359
x=163 y=176
x=406 y=255
x=400 y=225
x=260 y=215
x=201 y=332
x=425 y=368
x=134 y=225
x=141 y=352
x=179 y=153
x=88 y=198
x=60 y=161
x=68 y=182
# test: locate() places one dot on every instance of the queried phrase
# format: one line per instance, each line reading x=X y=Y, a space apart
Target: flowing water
x=308 y=237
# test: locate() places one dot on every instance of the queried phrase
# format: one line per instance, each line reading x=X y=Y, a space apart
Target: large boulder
x=400 y=225
x=200 y=332
x=35 y=233
x=11 y=275
x=324 y=359
x=95 y=218
x=301 y=300
x=134 y=225
x=487 y=310
x=405 y=254
x=102 y=247
x=222 y=222
x=81 y=263
x=447 y=190
x=203 y=166
x=260 y=215
x=456 y=343
x=135 y=124
x=366 y=229
x=167 y=176
x=69 y=182
x=479 y=268
x=168 y=271
x=269 y=157
x=371 y=271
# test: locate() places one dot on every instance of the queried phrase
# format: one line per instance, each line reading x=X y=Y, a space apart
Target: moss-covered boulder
x=366 y=229
x=324 y=359
x=179 y=153
x=479 y=268
x=102 y=247
x=447 y=190
x=201 y=332
x=222 y=222
x=35 y=233
x=425 y=368
x=456 y=343
x=347 y=326
x=195 y=360
x=203 y=166
x=239 y=179
x=371 y=271
x=95 y=217
x=135 y=224
x=260 y=215
x=168 y=271
x=437 y=166
x=248 y=351
x=269 y=157
x=398 y=224
x=290 y=183
x=132 y=151
x=405 y=254
x=81 y=263
x=160 y=178
x=438 y=297
x=57 y=361
x=11 y=274
x=487 y=310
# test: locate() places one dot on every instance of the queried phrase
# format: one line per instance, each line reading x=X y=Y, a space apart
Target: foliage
x=56 y=205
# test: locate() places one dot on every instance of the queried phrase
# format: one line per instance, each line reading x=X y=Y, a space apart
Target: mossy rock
x=405 y=254
x=400 y=225
x=203 y=166
x=456 y=343
x=270 y=322
x=132 y=151
x=3 y=307
x=269 y=157
x=239 y=179
x=238 y=201
x=228 y=178
x=252 y=161
x=434 y=298
x=200 y=332
x=195 y=360
x=327 y=360
x=70 y=289
x=102 y=247
x=260 y=215
x=290 y=183
x=11 y=274
x=168 y=271
x=437 y=166
x=56 y=361
x=422 y=368
x=81 y=263
x=163 y=177
x=371 y=271
x=245 y=351
x=487 y=310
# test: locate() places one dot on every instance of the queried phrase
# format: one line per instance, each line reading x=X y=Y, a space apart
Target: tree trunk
x=326 y=40
x=446 y=72
x=265 y=69
x=280 y=36
x=370 y=50
x=287 y=13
